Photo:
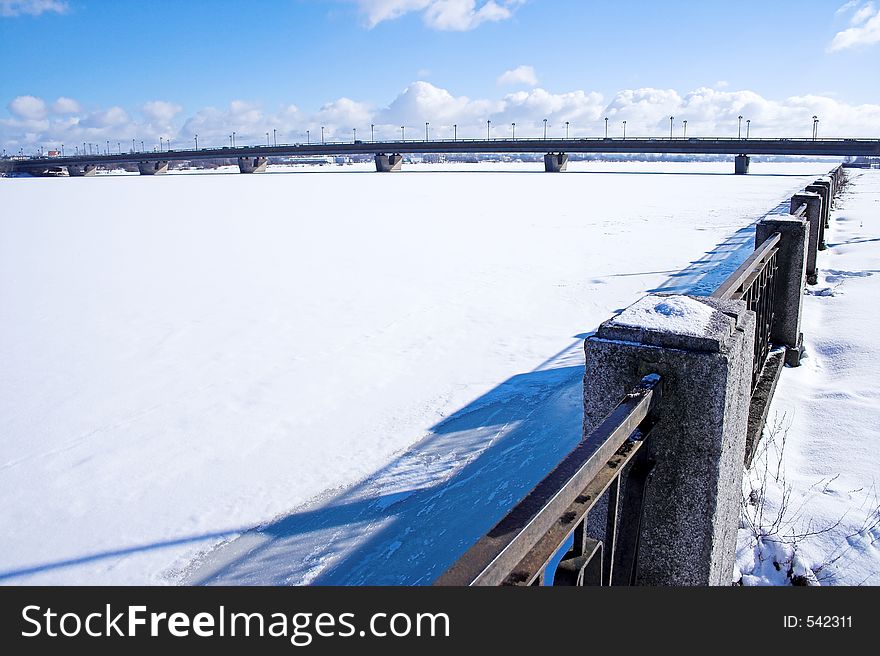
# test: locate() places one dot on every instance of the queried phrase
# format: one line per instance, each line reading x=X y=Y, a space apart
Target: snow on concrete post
x=702 y=348
x=791 y=262
x=814 y=218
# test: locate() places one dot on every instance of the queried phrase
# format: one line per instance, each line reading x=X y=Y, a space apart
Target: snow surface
x=820 y=460
x=370 y=368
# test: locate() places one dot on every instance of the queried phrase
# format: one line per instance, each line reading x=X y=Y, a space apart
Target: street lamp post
x=403 y=133
x=275 y=136
x=545 y=129
x=233 y=138
x=624 y=129
x=142 y=146
x=566 y=129
x=118 y=148
x=132 y=145
x=455 y=131
x=815 y=127
x=748 y=125
x=671 y=121
x=354 y=132
x=739 y=127
x=513 y=130
x=372 y=133
x=488 y=127
x=685 y=133
x=308 y=138
x=322 y=135
x=197 y=141
x=426 y=132
x=606 y=127
x=267 y=140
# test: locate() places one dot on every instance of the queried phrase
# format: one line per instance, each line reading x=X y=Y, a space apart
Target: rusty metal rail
x=522 y=545
x=755 y=283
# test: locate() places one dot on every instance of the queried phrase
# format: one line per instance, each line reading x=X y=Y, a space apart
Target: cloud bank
x=10 y=8
x=33 y=122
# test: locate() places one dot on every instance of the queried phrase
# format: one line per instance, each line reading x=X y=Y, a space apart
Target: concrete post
x=252 y=164
x=822 y=190
x=827 y=197
x=741 y=164
x=80 y=170
x=791 y=261
x=702 y=348
x=814 y=219
x=388 y=163
x=555 y=163
x=154 y=167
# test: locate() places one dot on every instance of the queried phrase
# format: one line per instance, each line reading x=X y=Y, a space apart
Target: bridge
x=389 y=154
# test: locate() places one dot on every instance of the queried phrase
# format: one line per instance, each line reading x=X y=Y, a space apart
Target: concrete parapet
x=252 y=164
x=154 y=167
x=791 y=261
x=555 y=162
x=388 y=163
x=827 y=197
x=813 y=217
x=822 y=190
x=741 y=164
x=81 y=170
x=702 y=348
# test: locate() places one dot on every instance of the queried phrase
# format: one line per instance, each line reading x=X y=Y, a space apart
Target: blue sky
x=214 y=65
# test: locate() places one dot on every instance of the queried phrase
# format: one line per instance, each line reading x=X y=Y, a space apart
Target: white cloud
x=709 y=112
x=161 y=111
x=521 y=75
x=845 y=7
x=28 y=107
x=65 y=106
x=32 y=7
x=447 y=15
x=865 y=29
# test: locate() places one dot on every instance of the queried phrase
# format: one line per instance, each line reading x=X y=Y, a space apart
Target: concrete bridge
x=388 y=154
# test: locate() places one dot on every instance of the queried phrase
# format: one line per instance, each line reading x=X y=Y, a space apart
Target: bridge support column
x=741 y=164
x=555 y=162
x=388 y=163
x=814 y=219
x=252 y=164
x=824 y=190
x=702 y=349
x=154 y=167
x=791 y=262
x=80 y=170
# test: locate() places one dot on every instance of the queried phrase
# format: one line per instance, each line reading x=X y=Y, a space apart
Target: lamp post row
x=165 y=144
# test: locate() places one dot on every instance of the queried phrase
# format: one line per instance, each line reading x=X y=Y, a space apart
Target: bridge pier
x=155 y=167
x=388 y=163
x=252 y=164
x=555 y=162
x=81 y=170
x=741 y=164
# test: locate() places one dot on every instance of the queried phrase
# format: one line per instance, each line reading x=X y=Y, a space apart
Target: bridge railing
x=521 y=548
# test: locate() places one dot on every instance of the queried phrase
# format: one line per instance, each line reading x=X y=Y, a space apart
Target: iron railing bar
x=800 y=211
x=734 y=281
x=611 y=529
x=746 y=285
x=538 y=556
x=496 y=554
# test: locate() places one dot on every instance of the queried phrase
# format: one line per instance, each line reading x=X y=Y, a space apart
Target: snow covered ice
x=370 y=368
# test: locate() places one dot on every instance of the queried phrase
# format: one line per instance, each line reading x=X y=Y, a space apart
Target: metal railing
x=523 y=545
x=755 y=283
